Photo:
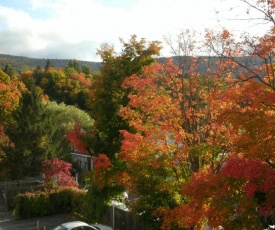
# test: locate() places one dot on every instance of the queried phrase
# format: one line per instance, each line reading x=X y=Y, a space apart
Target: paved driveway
x=44 y=223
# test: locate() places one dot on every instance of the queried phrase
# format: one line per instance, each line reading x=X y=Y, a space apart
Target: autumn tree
x=51 y=82
x=173 y=114
x=241 y=194
x=5 y=78
x=9 y=96
x=10 y=93
x=251 y=116
x=56 y=173
x=64 y=85
x=252 y=55
x=27 y=77
x=4 y=170
x=108 y=94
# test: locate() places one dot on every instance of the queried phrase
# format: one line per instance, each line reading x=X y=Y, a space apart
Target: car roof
x=74 y=224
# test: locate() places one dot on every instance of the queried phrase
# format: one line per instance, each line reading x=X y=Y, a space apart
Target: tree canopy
x=108 y=95
x=196 y=147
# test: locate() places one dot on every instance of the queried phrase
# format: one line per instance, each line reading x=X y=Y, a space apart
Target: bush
x=78 y=201
x=63 y=200
x=32 y=204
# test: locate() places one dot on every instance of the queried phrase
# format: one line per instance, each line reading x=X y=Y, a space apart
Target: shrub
x=63 y=200
x=32 y=204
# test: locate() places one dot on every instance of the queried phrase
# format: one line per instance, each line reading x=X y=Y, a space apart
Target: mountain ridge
x=22 y=63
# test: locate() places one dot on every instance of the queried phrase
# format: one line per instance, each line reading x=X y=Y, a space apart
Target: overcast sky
x=68 y=29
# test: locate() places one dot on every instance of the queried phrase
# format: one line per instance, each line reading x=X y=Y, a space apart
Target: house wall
x=83 y=161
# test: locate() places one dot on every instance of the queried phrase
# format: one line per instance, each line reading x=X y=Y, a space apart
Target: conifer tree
x=9 y=70
x=30 y=135
x=48 y=64
x=74 y=64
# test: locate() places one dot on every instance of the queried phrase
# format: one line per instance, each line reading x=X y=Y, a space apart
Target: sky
x=75 y=29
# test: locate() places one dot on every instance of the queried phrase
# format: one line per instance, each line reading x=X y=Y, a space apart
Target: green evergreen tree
x=87 y=70
x=31 y=136
x=48 y=64
x=9 y=70
x=37 y=74
x=74 y=64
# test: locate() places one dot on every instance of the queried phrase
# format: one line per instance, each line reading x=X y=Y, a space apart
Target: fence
x=10 y=189
x=18 y=183
x=121 y=219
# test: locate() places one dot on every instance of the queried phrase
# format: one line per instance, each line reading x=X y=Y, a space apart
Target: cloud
x=15 y=42
x=84 y=50
x=26 y=43
x=75 y=29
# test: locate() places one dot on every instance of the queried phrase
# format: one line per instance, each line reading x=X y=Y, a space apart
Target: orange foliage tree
x=245 y=183
x=241 y=194
x=9 y=95
x=9 y=102
x=201 y=144
x=174 y=115
x=251 y=55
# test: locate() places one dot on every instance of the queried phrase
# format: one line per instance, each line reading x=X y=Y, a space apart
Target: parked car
x=80 y=225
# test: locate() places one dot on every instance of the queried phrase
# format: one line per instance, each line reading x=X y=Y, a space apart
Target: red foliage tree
x=81 y=79
x=57 y=172
x=75 y=136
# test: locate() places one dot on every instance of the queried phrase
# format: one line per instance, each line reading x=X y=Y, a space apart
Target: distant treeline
x=20 y=63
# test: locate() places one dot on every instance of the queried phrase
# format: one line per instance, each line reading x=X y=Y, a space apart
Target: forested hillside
x=20 y=63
